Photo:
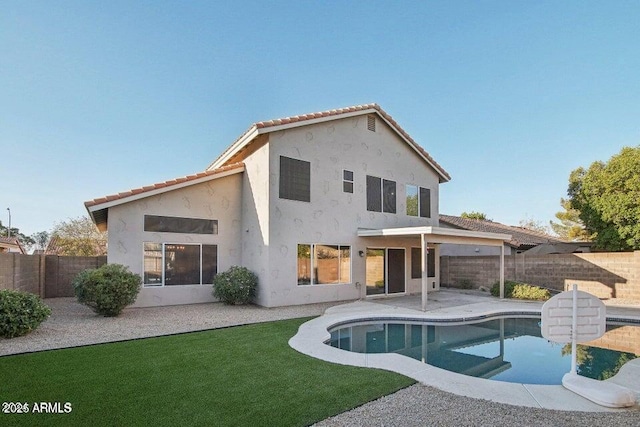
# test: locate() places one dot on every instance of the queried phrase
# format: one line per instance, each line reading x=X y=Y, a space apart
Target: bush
x=20 y=313
x=521 y=291
x=465 y=284
x=108 y=289
x=235 y=286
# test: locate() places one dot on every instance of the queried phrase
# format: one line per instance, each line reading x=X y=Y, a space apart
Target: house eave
x=99 y=212
x=440 y=235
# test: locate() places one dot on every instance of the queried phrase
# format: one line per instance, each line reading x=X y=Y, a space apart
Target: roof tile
x=159 y=185
x=520 y=236
x=335 y=112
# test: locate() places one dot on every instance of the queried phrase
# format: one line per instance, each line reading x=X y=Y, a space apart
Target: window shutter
x=374 y=194
x=425 y=202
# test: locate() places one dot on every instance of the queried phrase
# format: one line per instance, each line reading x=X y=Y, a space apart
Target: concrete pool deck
x=449 y=305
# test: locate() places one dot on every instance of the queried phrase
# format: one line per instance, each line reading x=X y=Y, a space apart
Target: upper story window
x=173 y=224
x=381 y=195
x=347 y=181
x=418 y=201
x=295 y=179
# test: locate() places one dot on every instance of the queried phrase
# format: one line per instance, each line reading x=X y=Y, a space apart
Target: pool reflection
x=506 y=349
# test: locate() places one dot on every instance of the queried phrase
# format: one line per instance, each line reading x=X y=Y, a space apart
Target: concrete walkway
x=452 y=305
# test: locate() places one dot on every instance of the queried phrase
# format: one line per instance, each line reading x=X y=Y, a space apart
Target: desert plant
x=20 y=313
x=107 y=290
x=519 y=290
x=235 y=286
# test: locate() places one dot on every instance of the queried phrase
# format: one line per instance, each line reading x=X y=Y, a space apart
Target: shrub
x=108 y=289
x=235 y=286
x=521 y=291
x=20 y=313
x=465 y=284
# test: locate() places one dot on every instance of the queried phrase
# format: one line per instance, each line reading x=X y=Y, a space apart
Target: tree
x=474 y=215
x=534 y=225
x=41 y=239
x=570 y=226
x=78 y=237
x=607 y=195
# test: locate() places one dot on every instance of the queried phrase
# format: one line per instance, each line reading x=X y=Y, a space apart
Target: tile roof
x=520 y=237
x=160 y=185
x=12 y=241
x=338 y=112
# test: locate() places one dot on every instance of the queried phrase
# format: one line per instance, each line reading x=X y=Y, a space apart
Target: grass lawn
x=246 y=375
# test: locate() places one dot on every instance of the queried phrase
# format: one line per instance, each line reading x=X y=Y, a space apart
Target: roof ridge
x=336 y=112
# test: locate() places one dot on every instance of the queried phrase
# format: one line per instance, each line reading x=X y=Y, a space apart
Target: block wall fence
x=604 y=274
x=48 y=276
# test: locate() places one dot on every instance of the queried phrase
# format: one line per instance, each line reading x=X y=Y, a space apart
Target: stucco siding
x=333 y=216
x=255 y=220
x=218 y=199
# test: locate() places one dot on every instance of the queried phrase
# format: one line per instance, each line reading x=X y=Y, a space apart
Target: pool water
x=503 y=349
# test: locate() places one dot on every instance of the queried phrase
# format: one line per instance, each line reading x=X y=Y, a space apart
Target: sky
x=98 y=97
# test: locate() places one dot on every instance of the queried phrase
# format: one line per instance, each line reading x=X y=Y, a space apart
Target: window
x=381 y=195
x=324 y=264
x=169 y=264
x=418 y=201
x=171 y=224
x=347 y=181
x=295 y=179
x=152 y=264
x=412 y=200
x=416 y=263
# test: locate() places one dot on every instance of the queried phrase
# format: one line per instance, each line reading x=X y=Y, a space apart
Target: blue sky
x=98 y=97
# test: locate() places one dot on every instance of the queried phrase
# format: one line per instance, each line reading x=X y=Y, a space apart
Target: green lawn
x=246 y=375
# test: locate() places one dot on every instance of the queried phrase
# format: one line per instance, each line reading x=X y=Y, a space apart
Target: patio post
x=502 y=271
x=425 y=251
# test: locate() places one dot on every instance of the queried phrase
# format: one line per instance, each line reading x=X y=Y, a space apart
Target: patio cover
x=443 y=235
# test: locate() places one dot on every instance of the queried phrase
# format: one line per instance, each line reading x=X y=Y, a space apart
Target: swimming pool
x=509 y=349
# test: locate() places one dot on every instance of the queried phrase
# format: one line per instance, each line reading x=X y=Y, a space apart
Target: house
x=11 y=244
x=329 y=206
x=522 y=239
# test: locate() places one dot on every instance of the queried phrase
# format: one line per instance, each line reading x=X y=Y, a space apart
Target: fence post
x=41 y=275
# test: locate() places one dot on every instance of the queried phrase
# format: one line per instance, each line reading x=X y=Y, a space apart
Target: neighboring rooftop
x=11 y=244
x=521 y=238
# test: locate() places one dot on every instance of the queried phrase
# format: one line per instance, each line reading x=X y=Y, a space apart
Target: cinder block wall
x=61 y=270
x=47 y=276
x=21 y=273
x=607 y=275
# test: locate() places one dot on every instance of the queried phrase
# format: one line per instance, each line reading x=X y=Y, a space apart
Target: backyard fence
x=48 y=276
x=604 y=274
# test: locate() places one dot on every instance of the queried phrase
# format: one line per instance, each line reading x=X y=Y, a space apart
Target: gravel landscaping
x=421 y=405
x=72 y=324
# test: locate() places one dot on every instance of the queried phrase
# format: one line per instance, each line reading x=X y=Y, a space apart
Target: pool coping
x=312 y=335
